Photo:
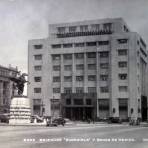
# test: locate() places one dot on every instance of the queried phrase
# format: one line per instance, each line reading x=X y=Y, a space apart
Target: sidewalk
x=75 y=123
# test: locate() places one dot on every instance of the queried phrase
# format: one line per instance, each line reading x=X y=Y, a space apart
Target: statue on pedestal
x=19 y=83
x=20 y=112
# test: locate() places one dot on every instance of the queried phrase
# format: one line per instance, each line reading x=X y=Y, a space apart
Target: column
x=97 y=80
x=73 y=73
x=8 y=97
x=62 y=74
x=1 y=92
x=85 y=73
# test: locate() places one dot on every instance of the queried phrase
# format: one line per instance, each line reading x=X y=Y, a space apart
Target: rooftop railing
x=87 y=33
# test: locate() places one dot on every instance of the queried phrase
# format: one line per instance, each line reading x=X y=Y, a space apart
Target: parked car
x=51 y=124
x=4 y=118
x=56 y=122
x=115 y=120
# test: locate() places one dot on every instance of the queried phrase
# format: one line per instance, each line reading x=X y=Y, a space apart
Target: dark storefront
x=81 y=106
x=144 y=108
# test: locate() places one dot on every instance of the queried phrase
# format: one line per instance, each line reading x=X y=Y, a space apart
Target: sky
x=22 y=20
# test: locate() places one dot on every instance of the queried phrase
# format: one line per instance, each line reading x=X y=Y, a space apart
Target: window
x=123 y=88
x=56 y=46
x=123 y=104
x=104 y=54
x=79 y=78
x=67 y=90
x=39 y=46
x=67 y=67
x=107 y=26
x=88 y=102
x=91 y=44
x=55 y=57
x=95 y=27
x=91 y=78
x=56 y=67
x=91 y=55
x=37 y=79
x=55 y=104
x=78 y=101
x=104 y=89
x=91 y=89
x=37 y=101
x=83 y=28
x=91 y=66
x=103 y=77
x=56 y=90
x=68 y=101
x=138 y=53
x=122 y=76
x=61 y=29
x=104 y=65
x=38 y=68
x=143 y=52
x=122 y=52
x=103 y=43
x=67 y=56
x=36 y=108
x=79 y=90
x=37 y=90
x=122 y=41
x=103 y=104
x=69 y=45
x=79 y=55
x=122 y=64
x=38 y=57
x=72 y=29
x=68 y=78
x=126 y=29
x=56 y=79
x=79 y=44
x=80 y=67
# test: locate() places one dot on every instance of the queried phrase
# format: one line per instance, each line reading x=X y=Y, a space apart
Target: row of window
x=80 y=55
x=84 y=28
x=81 y=44
x=104 y=89
x=102 y=54
x=121 y=64
x=122 y=76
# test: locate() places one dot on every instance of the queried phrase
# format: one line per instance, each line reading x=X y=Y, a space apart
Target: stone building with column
x=89 y=69
x=6 y=87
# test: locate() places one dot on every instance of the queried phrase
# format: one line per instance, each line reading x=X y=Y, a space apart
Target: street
x=88 y=136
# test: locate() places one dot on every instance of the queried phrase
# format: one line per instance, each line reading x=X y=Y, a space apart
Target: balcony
x=88 y=33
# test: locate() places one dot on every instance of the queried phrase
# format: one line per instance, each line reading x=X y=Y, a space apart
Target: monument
x=20 y=112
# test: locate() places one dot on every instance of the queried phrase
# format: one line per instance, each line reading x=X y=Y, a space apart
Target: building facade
x=6 y=87
x=89 y=69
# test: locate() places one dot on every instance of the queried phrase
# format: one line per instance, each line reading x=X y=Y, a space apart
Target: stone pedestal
x=20 y=112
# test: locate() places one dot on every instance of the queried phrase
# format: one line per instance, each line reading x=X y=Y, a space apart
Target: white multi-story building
x=88 y=69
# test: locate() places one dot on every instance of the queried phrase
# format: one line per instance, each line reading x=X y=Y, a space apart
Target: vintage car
x=56 y=122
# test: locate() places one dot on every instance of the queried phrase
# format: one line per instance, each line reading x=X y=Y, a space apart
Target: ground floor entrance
x=79 y=113
x=144 y=108
x=123 y=109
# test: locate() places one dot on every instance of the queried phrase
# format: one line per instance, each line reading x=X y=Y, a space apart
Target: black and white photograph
x=73 y=73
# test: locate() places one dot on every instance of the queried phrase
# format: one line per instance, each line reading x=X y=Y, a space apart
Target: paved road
x=83 y=136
